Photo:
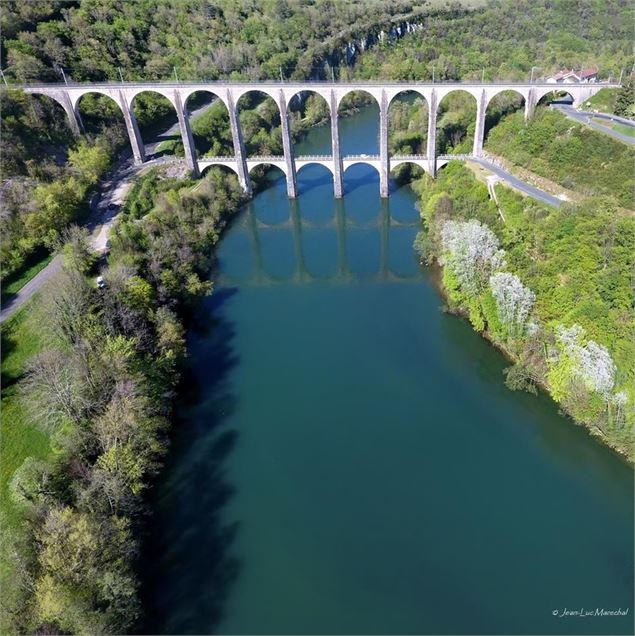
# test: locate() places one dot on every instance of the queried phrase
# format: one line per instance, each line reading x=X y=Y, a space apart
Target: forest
x=90 y=375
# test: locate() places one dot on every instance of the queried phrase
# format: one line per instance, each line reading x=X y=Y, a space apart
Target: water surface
x=348 y=459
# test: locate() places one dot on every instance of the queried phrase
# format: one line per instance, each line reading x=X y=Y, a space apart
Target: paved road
x=518 y=184
x=585 y=117
x=104 y=207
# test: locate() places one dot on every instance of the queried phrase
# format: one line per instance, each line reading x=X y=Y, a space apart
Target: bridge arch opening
x=101 y=115
x=44 y=115
x=351 y=142
x=55 y=125
x=500 y=106
x=158 y=124
x=315 y=182
x=358 y=178
x=403 y=173
x=456 y=123
x=559 y=95
x=308 y=110
x=98 y=112
x=211 y=172
x=209 y=121
x=267 y=176
x=315 y=177
x=259 y=117
x=408 y=124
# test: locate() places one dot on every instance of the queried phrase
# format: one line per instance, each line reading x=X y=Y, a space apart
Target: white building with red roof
x=574 y=77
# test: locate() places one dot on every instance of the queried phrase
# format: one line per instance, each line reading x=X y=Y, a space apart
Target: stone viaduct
x=68 y=95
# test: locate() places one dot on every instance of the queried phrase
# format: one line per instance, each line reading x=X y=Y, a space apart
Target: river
x=347 y=458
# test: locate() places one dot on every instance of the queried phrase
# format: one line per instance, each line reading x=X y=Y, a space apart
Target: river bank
x=523 y=324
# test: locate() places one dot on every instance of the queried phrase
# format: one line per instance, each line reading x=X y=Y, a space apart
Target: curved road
x=518 y=184
x=586 y=118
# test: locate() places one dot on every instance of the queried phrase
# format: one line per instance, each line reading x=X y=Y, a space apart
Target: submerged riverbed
x=348 y=459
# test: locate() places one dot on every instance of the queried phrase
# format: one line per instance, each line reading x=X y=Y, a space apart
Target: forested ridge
x=506 y=39
x=552 y=287
x=212 y=39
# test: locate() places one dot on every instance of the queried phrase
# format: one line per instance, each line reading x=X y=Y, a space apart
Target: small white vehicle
x=101 y=283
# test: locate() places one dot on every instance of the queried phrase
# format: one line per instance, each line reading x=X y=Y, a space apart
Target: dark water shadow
x=353 y=183
x=188 y=566
x=306 y=185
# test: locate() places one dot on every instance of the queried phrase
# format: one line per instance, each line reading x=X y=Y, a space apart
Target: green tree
x=625 y=101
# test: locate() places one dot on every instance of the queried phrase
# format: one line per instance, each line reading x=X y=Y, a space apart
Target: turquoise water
x=347 y=458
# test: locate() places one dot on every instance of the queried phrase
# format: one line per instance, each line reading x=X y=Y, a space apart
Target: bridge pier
x=432 y=134
x=239 y=144
x=479 y=132
x=186 y=135
x=74 y=119
x=384 y=160
x=338 y=170
x=287 y=145
x=138 y=149
x=530 y=104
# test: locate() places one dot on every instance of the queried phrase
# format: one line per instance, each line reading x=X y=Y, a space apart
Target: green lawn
x=19 y=279
x=624 y=129
x=617 y=127
x=18 y=439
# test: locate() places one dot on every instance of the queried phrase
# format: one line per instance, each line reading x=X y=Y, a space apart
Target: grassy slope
x=602 y=102
x=568 y=153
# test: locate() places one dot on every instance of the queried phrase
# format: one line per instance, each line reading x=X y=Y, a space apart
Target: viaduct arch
x=282 y=93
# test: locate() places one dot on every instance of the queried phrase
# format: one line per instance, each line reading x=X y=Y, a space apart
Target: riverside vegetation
x=557 y=301
x=551 y=287
x=101 y=387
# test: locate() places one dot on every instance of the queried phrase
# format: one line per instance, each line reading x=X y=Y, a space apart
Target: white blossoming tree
x=588 y=362
x=514 y=302
x=472 y=252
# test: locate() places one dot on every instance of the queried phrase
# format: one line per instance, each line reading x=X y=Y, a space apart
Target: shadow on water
x=306 y=184
x=369 y=177
x=180 y=596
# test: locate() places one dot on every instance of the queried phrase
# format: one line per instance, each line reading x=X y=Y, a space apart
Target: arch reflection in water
x=390 y=256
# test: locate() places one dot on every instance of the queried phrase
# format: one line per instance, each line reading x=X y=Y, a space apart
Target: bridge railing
x=458 y=157
x=330 y=157
x=295 y=83
x=216 y=158
x=266 y=158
